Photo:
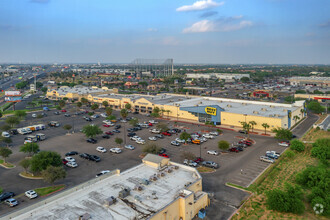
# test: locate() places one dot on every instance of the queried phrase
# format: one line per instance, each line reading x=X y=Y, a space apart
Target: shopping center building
x=219 y=111
x=156 y=189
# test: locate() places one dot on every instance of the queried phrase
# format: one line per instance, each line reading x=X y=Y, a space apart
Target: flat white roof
x=89 y=197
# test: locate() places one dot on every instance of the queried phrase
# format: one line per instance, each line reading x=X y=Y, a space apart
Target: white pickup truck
x=155 y=131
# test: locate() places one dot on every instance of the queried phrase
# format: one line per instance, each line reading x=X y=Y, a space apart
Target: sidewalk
x=223 y=127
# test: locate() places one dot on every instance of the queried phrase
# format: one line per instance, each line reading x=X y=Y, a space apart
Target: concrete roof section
x=307 y=78
x=63 y=90
x=143 y=201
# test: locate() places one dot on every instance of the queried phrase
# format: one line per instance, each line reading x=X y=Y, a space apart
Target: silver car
x=266 y=159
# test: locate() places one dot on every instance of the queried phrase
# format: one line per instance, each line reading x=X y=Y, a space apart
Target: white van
x=5 y=134
x=22 y=131
x=40 y=137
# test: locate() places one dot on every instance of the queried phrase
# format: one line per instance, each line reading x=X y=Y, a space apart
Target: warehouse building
x=156 y=189
x=219 y=111
x=310 y=81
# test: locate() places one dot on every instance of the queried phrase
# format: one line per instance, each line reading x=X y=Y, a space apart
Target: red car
x=150 y=124
x=163 y=155
x=198 y=160
x=108 y=133
x=234 y=149
x=166 y=133
x=248 y=143
x=106 y=125
x=63 y=110
x=64 y=161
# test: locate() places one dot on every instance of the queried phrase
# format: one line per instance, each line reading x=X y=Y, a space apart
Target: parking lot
x=238 y=168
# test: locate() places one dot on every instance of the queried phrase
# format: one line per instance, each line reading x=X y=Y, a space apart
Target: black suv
x=71 y=153
x=117 y=126
x=13 y=132
x=106 y=136
x=131 y=134
x=6 y=195
x=91 y=140
x=94 y=158
x=242 y=131
x=85 y=155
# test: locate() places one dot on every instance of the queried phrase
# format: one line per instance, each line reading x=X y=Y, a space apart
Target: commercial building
x=219 y=111
x=317 y=97
x=156 y=189
x=224 y=76
x=310 y=81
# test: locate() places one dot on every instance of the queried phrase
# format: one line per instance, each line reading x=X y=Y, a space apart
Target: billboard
x=13 y=99
x=211 y=111
x=12 y=93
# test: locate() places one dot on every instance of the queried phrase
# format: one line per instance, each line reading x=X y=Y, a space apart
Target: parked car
x=31 y=194
x=67 y=115
x=64 y=161
x=166 y=133
x=214 y=133
x=105 y=136
x=273 y=152
x=6 y=195
x=108 y=133
x=131 y=134
x=175 y=143
x=56 y=113
x=103 y=115
x=196 y=141
x=71 y=164
x=106 y=125
x=115 y=150
x=71 y=153
x=134 y=138
x=84 y=156
x=102 y=173
x=117 y=126
x=152 y=138
x=94 y=158
x=163 y=150
x=233 y=149
x=213 y=152
x=163 y=155
x=116 y=131
x=63 y=110
x=180 y=140
x=190 y=163
x=130 y=147
x=271 y=156
x=243 y=131
x=266 y=159
x=101 y=149
x=210 y=164
x=209 y=136
x=88 y=119
x=11 y=202
x=95 y=116
x=160 y=136
x=70 y=159
x=284 y=144
x=155 y=131
x=91 y=140
x=140 y=141
x=198 y=160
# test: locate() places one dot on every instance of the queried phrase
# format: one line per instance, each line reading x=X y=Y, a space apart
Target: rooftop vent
x=85 y=216
x=138 y=188
x=124 y=193
x=109 y=201
x=263 y=109
x=255 y=112
x=272 y=106
x=244 y=104
x=229 y=106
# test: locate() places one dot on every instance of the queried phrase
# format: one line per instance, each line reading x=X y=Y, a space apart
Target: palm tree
x=162 y=111
x=246 y=127
x=252 y=123
x=265 y=125
x=302 y=111
x=123 y=114
x=296 y=118
x=168 y=113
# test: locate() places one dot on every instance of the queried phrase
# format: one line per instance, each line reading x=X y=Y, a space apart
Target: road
x=302 y=128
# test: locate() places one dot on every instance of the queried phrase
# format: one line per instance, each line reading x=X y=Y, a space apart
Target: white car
x=102 y=173
x=284 y=144
x=140 y=141
x=273 y=152
x=152 y=138
x=213 y=152
x=123 y=121
x=190 y=163
x=116 y=150
x=34 y=115
x=94 y=116
x=203 y=139
x=103 y=115
x=214 y=133
x=70 y=159
x=266 y=159
x=101 y=149
x=134 y=138
x=180 y=140
x=130 y=147
x=5 y=134
x=155 y=131
x=208 y=136
x=153 y=122
x=71 y=164
x=31 y=194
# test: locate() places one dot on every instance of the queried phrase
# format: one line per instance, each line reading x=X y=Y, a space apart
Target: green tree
x=29 y=148
x=296 y=118
x=289 y=200
x=39 y=85
x=12 y=120
x=119 y=141
x=25 y=163
x=94 y=106
x=43 y=159
x=44 y=89
x=315 y=107
x=20 y=114
x=223 y=145
x=134 y=122
x=321 y=149
x=162 y=127
x=128 y=106
x=155 y=112
x=297 y=145
x=108 y=111
x=245 y=79
x=252 y=123
x=61 y=103
x=123 y=113
x=51 y=174
x=265 y=125
x=185 y=136
x=282 y=133
x=67 y=127
x=6 y=140
x=65 y=99
x=5 y=152
x=91 y=130
x=5 y=127
x=79 y=104
x=300 y=91
x=111 y=117
x=1 y=114
x=151 y=148
x=84 y=101
x=105 y=104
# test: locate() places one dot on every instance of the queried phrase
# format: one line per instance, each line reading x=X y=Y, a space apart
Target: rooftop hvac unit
x=145 y=182
x=137 y=198
x=176 y=167
x=244 y=104
x=284 y=110
x=169 y=170
x=200 y=102
x=85 y=216
x=272 y=106
x=229 y=106
x=255 y=112
x=124 y=193
x=263 y=109
x=109 y=201
x=138 y=188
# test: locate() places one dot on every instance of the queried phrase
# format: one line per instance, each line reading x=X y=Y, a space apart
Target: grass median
x=8 y=165
x=48 y=190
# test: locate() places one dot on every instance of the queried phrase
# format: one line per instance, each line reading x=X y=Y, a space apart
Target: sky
x=189 y=31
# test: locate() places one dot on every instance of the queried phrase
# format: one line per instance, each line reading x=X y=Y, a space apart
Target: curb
x=31 y=178
x=226 y=184
x=7 y=167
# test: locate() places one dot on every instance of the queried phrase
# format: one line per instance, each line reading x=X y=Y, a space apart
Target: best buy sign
x=211 y=111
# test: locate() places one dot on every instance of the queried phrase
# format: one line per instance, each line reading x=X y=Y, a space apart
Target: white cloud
x=200 y=5
x=221 y=25
x=200 y=26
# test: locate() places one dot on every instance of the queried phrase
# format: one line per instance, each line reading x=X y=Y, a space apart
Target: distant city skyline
x=189 y=31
